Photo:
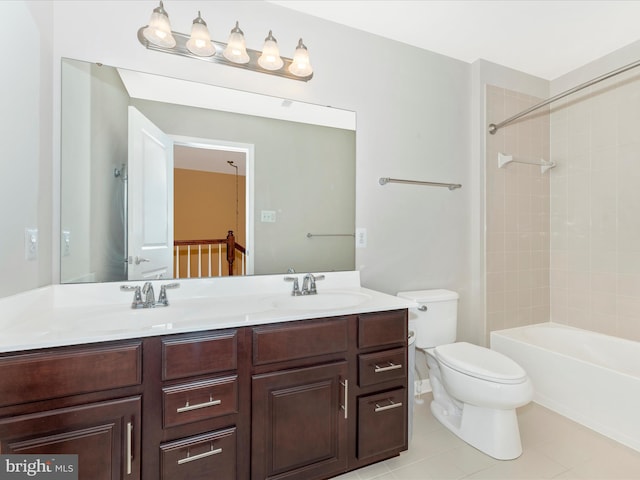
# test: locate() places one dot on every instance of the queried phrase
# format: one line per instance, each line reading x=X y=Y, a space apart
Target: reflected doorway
x=212 y=208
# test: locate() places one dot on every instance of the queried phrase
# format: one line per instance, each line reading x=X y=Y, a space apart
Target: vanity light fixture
x=158 y=31
x=270 y=58
x=158 y=36
x=236 y=50
x=200 y=41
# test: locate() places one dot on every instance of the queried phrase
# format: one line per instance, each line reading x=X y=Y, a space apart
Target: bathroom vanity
x=291 y=390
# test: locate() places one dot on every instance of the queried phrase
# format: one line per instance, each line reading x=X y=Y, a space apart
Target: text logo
x=49 y=467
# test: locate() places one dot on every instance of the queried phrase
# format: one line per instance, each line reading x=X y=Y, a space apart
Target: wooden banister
x=229 y=242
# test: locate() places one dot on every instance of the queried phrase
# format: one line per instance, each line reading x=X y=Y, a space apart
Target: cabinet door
x=299 y=423
x=382 y=423
x=105 y=436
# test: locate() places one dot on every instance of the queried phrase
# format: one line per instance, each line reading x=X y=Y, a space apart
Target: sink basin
x=180 y=312
x=322 y=301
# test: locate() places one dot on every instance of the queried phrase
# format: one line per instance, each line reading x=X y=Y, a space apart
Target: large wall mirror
x=163 y=178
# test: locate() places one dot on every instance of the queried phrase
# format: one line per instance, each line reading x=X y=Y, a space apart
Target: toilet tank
x=435 y=318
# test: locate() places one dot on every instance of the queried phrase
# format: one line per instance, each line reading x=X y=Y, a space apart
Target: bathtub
x=591 y=378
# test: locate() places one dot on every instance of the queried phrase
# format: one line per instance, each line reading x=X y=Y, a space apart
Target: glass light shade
x=300 y=65
x=159 y=30
x=200 y=41
x=270 y=58
x=236 y=50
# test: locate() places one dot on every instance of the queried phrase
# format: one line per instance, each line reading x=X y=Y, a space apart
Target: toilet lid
x=480 y=362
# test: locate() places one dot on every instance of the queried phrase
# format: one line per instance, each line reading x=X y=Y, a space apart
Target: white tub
x=589 y=377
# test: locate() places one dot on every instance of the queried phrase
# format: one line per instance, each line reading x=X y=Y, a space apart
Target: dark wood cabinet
x=382 y=426
x=201 y=407
x=104 y=435
x=381 y=392
x=84 y=400
x=307 y=400
x=299 y=425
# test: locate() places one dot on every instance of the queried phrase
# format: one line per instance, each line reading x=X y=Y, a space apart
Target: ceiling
x=545 y=38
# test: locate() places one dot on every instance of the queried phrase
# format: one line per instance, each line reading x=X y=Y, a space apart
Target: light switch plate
x=268 y=216
x=361 y=237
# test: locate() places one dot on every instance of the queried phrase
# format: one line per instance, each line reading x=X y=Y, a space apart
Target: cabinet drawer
x=383 y=328
x=382 y=366
x=69 y=371
x=296 y=340
x=212 y=455
x=199 y=400
x=190 y=355
x=382 y=424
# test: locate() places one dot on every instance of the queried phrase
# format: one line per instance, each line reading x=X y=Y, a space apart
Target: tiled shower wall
x=595 y=208
x=517 y=215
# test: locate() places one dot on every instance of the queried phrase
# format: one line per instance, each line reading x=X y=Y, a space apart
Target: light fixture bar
x=181 y=49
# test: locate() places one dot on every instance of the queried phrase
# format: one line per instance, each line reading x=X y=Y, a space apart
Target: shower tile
x=628 y=306
x=495 y=241
x=606 y=282
x=628 y=284
x=495 y=301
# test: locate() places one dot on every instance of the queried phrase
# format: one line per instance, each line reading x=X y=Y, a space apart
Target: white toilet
x=475 y=390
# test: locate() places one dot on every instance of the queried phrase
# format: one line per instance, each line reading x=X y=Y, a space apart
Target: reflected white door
x=150 y=210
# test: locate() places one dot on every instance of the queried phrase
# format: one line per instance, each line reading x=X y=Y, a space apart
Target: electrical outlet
x=66 y=243
x=361 y=237
x=30 y=243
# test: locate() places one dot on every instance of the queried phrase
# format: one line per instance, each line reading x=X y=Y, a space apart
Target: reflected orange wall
x=205 y=208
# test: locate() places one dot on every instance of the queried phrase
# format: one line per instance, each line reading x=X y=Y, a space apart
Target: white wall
x=25 y=168
x=413 y=120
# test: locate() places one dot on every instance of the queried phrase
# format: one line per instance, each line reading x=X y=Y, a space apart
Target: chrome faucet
x=309 y=284
x=149 y=296
x=149 y=300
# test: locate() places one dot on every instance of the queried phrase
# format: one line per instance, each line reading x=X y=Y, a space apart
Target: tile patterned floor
x=554 y=448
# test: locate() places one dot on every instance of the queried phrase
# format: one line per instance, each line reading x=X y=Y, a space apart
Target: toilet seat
x=480 y=362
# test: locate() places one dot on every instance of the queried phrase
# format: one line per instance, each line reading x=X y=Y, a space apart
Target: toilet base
x=492 y=431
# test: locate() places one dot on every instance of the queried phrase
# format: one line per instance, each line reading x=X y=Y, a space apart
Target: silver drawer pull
x=387 y=407
x=345 y=405
x=188 y=458
x=391 y=366
x=210 y=403
x=129 y=446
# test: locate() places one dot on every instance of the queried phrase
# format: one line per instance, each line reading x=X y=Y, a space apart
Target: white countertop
x=60 y=315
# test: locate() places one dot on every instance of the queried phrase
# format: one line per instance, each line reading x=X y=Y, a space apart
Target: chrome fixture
x=504 y=160
x=296 y=286
x=163 y=301
x=311 y=235
x=158 y=36
x=149 y=300
x=494 y=127
x=137 y=295
x=149 y=296
x=450 y=186
x=309 y=284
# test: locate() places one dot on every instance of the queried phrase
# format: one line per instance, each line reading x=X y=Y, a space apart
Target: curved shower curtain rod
x=494 y=127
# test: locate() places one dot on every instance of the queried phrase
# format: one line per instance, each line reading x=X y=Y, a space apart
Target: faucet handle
x=296 y=286
x=163 y=301
x=137 y=295
x=314 y=279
